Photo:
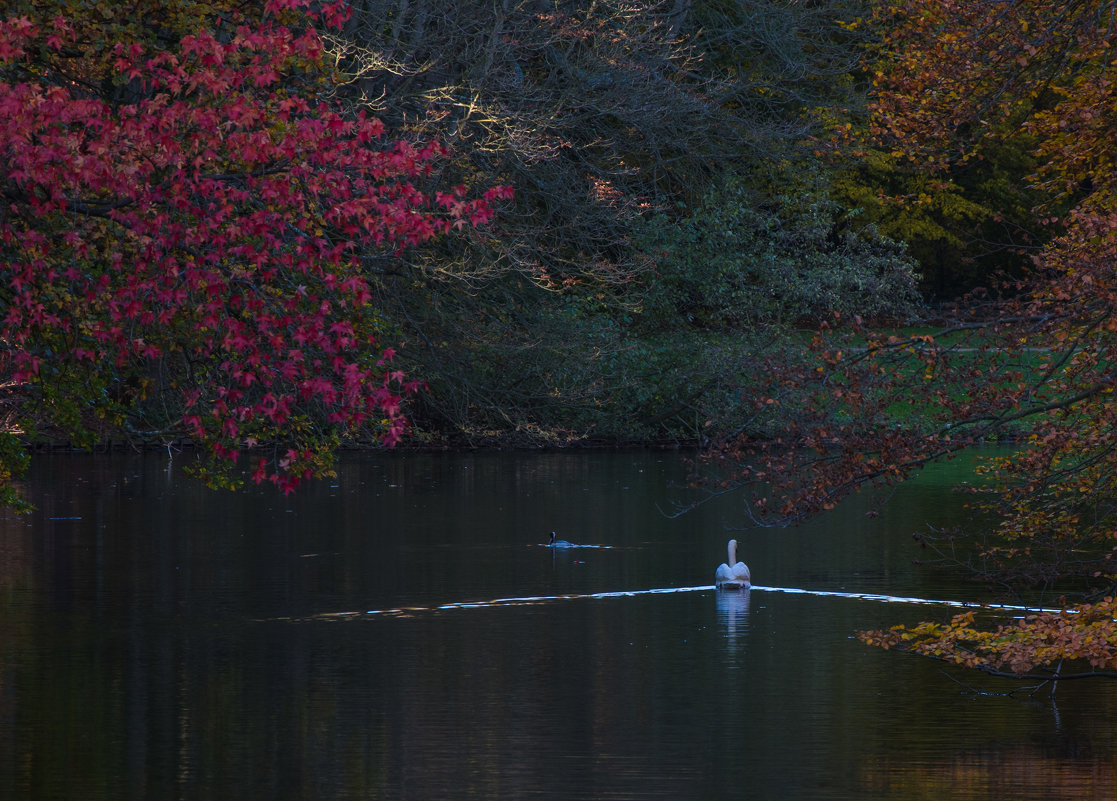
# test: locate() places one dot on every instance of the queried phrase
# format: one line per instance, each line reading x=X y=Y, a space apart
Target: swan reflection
x=733 y=613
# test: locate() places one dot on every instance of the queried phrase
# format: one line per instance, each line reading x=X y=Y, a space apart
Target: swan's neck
x=732 y=552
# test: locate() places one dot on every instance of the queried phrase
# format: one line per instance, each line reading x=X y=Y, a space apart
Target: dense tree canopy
x=184 y=258
x=1035 y=360
x=560 y=321
x=600 y=114
x=206 y=233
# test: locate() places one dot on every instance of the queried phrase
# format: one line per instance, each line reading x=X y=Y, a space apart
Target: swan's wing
x=723 y=574
x=741 y=572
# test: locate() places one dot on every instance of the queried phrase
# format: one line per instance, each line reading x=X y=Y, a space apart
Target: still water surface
x=402 y=633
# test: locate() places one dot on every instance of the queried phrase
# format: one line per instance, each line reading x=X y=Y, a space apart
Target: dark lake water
x=401 y=633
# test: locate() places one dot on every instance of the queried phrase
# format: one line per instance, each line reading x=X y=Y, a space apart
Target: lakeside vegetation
x=279 y=227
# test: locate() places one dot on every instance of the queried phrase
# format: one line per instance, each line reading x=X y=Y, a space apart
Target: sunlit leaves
x=958 y=75
x=1076 y=643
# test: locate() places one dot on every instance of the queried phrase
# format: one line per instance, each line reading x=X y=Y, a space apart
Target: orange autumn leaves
x=1078 y=644
x=950 y=77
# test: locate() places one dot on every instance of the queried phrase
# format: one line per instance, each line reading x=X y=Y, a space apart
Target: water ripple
x=533 y=600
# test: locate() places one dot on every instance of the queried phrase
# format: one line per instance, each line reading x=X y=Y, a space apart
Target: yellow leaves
x=1042 y=641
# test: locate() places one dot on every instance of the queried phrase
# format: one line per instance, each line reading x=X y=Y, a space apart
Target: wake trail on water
x=532 y=600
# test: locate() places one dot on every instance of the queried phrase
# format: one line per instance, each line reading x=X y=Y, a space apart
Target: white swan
x=559 y=543
x=732 y=578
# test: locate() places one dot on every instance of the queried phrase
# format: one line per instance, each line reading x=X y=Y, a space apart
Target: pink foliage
x=218 y=213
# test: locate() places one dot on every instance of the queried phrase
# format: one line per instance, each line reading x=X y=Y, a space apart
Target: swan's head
x=552 y=538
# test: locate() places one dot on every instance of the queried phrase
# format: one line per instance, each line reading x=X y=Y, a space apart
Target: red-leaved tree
x=188 y=262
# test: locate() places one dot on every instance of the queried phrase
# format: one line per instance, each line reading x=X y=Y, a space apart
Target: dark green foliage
x=742 y=260
x=963 y=227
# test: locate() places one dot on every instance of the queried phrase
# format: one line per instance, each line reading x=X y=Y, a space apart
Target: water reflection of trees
x=141 y=670
x=1020 y=772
